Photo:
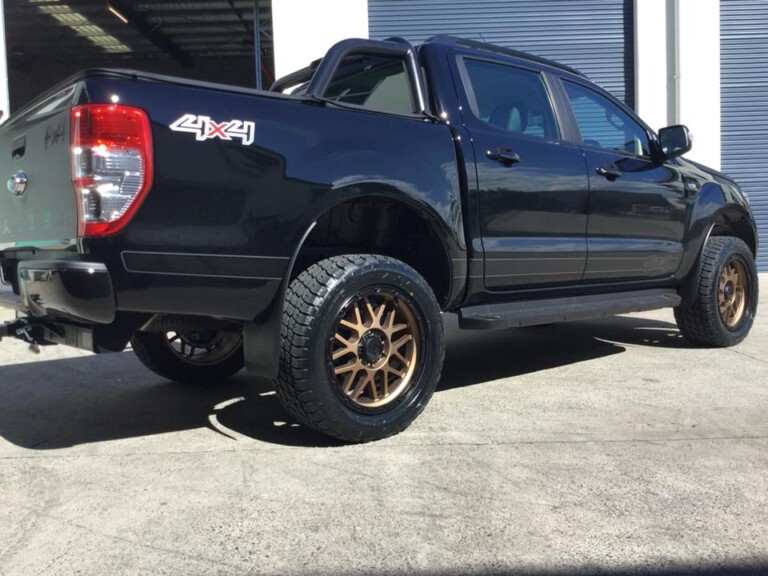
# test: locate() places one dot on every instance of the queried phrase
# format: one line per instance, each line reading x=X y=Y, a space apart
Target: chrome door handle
x=503 y=155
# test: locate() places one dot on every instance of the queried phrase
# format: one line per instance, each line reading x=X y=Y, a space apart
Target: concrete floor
x=605 y=447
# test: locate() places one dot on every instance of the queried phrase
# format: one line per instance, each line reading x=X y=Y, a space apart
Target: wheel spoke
x=402 y=359
x=350 y=379
x=350 y=325
x=390 y=322
x=343 y=341
x=361 y=386
x=340 y=353
x=374 y=391
x=371 y=313
x=355 y=365
x=380 y=314
x=385 y=381
x=396 y=372
x=402 y=341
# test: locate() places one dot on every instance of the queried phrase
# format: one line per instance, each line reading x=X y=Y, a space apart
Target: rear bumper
x=79 y=290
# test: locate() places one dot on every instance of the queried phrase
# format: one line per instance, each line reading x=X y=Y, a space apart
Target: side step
x=532 y=312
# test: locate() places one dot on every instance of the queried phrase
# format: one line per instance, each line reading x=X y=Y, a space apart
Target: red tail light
x=111 y=165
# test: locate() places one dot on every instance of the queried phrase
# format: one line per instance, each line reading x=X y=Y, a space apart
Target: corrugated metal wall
x=595 y=36
x=744 y=111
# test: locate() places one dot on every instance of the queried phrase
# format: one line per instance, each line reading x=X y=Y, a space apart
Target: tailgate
x=38 y=207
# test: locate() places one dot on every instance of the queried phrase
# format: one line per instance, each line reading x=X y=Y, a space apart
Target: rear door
x=532 y=186
x=637 y=205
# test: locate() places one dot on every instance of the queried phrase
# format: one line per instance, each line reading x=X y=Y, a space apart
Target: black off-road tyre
x=719 y=307
x=218 y=355
x=345 y=373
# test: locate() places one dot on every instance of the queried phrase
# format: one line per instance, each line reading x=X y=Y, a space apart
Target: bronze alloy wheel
x=203 y=348
x=733 y=292
x=375 y=348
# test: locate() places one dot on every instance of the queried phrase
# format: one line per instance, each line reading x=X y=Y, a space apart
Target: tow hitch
x=45 y=331
x=34 y=334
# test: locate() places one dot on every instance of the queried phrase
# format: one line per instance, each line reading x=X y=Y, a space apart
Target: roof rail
x=484 y=46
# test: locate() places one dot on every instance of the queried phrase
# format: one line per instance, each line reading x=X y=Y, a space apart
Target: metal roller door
x=744 y=108
x=594 y=36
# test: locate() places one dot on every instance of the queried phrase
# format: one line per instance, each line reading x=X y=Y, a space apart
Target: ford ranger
x=314 y=233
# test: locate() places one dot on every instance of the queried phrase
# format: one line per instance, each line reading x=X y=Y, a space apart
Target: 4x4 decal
x=206 y=129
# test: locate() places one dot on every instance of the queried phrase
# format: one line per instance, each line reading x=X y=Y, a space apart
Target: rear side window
x=375 y=82
x=602 y=123
x=509 y=98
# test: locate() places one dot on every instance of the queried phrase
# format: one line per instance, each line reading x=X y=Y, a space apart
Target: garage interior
x=213 y=40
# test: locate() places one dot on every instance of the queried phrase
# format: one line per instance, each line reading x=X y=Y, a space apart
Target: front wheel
x=362 y=347
x=191 y=357
x=721 y=307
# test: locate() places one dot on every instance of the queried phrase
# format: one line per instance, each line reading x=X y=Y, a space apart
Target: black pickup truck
x=314 y=233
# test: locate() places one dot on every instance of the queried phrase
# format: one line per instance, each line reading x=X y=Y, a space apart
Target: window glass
x=510 y=98
x=376 y=82
x=602 y=123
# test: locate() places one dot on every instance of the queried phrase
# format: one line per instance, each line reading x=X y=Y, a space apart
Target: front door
x=637 y=205
x=532 y=187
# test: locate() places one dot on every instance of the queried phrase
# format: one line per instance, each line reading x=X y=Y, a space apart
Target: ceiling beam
x=151 y=33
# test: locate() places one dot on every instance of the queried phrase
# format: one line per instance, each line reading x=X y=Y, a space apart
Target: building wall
x=303 y=30
x=677 y=48
x=567 y=31
x=744 y=110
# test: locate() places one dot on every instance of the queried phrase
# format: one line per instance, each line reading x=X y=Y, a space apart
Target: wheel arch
x=379 y=223
x=733 y=220
x=373 y=209
x=725 y=220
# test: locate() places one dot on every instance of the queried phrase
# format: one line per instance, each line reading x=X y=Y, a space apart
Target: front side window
x=376 y=82
x=602 y=123
x=512 y=99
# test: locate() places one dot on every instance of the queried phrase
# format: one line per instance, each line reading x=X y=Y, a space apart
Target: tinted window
x=602 y=123
x=510 y=98
x=376 y=82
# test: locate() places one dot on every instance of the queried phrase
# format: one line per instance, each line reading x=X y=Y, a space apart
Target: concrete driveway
x=594 y=447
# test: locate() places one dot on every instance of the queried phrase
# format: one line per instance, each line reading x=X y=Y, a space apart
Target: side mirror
x=675 y=141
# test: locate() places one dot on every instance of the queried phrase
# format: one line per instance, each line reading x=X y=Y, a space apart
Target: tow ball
x=24 y=330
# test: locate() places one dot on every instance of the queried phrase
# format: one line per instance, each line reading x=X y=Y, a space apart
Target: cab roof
x=485 y=47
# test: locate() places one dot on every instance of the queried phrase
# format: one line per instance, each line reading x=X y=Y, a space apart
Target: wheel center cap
x=371 y=346
x=728 y=291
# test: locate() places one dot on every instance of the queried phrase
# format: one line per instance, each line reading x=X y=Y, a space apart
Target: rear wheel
x=362 y=347
x=191 y=357
x=721 y=307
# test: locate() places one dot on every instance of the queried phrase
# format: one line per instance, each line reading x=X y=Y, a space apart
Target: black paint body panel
x=216 y=234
